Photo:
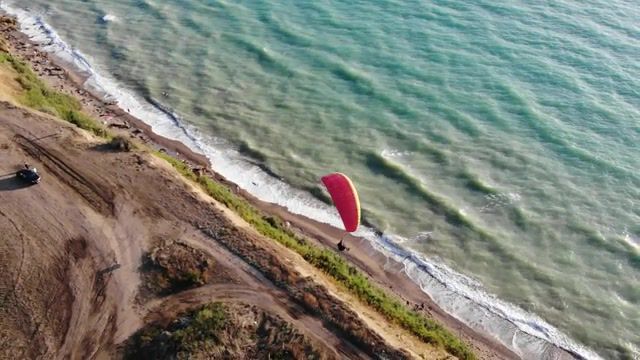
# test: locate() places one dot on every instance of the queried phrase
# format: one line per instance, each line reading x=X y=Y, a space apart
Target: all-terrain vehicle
x=29 y=175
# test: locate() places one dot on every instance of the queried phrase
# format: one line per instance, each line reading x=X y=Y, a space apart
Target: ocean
x=496 y=145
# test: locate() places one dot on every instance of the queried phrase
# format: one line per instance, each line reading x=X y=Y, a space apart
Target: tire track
x=19 y=273
x=97 y=196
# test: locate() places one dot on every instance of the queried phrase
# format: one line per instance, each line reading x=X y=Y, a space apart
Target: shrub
x=121 y=143
x=195 y=329
x=204 y=326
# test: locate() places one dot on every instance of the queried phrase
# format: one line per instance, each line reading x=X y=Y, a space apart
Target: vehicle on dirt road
x=28 y=175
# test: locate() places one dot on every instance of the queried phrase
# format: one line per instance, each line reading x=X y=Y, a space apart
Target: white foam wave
x=461 y=296
x=109 y=18
x=394 y=153
x=496 y=201
x=631 y=240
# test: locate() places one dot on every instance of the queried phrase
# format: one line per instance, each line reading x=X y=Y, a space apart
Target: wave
x=463 y=226
x=471 y=181
x=362 y=84
x=556 y=141
x=109 y=18
x=285 y=31
x=620 y=245
x=525 y=333
x=171 y=115
x=380 y=165
x=264 y=57
x=474 y=183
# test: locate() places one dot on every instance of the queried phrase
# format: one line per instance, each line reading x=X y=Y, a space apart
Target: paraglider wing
x=345 y=198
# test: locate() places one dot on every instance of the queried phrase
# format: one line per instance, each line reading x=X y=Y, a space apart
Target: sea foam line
x=525 y=333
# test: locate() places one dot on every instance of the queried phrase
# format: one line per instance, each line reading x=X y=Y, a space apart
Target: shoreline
x=364 y=254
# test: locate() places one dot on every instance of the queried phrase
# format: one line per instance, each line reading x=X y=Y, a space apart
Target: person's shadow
x=10 y=182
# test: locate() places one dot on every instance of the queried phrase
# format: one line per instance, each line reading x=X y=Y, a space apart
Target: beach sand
x=381 y=270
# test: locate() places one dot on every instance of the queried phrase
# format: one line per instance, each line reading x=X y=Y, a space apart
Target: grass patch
x=205 y=325
x=199 y=328
x=331 y=263
x=37 y=95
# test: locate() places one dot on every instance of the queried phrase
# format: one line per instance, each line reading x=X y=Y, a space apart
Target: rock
x=121 y=126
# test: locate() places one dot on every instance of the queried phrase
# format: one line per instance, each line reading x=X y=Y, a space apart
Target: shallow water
x=499 y=141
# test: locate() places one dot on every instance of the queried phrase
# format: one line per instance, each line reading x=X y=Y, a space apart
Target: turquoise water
x=500 y=140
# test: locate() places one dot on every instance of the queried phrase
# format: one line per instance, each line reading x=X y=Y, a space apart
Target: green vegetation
x=40 y=97
x=426 y=329
x=204 y=326
x=196 y=330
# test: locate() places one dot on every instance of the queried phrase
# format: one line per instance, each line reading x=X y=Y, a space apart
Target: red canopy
x=345 y=198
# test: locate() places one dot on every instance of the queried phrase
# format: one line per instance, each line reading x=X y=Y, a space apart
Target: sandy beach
x=97 y=208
